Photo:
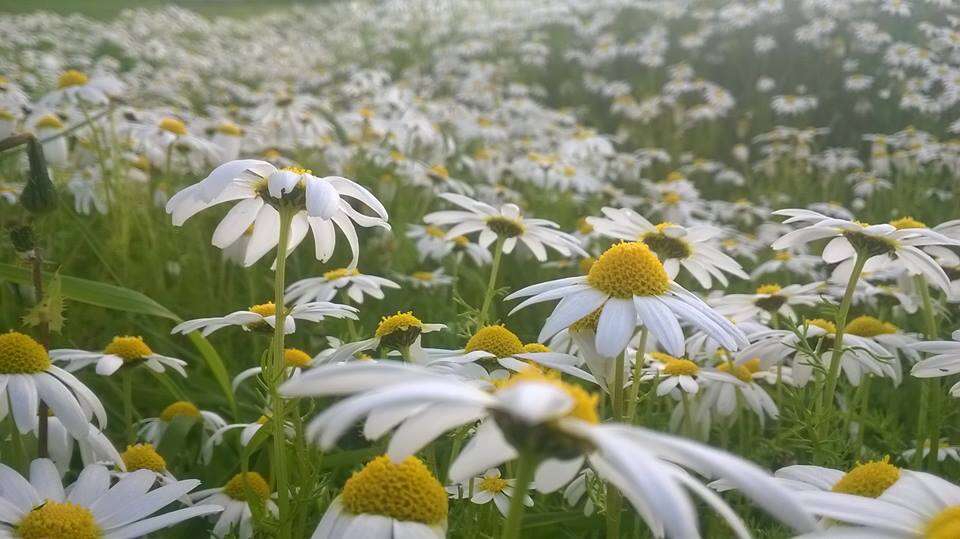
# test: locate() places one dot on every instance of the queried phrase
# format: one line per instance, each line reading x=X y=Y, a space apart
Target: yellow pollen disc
x=498 y=340
x=143 y=457
x=461 y=241
x=333 y=275
x=535 y=348
x=20 y=354
x=583 y=226
x=825 y=325
x=243 y=484
x=869 y=479
x=54 y=519
x=264 y=309
x=741 y=372
x=680 y=367
x=768 y=289
x=48 y=121
x=129 y=348
x=492 y=484
x=674 y=176
x=425 y=276
x=945 y=525
x=397 y=322
x=671 y=198
x=173 y=125
x=782 y=256
x=435 y=232
x=294 y=357
x=179 y=409
x=584 y=402
x=506 y=227
x=752 y=365
x=366 y=112
x=6 y=115
x=406 y=491
x=907 y=222
x=588 y=322
x=297 y=170
x=439 y=171
x=627 y=270
x=230 y=129
x=72 y=77
x=868 y=326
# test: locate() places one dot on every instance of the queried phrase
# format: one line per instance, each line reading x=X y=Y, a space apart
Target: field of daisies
x=422 y=269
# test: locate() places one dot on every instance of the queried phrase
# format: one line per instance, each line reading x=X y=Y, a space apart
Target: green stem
x=928 y=422
x=526 y=465
x=827 y=400
x=492 y=283
x=277 y=404
x=614 y=498
x=126 y=380
x=637 y=372
x=864 y=391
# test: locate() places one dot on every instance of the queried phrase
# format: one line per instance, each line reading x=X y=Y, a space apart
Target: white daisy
x=489 y=487
x=152 y=429
x=235 y=497
x=945 y=360
x=769 y=300
x=95 y=448
x=629 y=287
x=295 y=360
x=263 y=317
x=74 y=86
x=399 y=331
x=432 y=243
x=89 y=508
x=944 y=451
x=325 y=287
x=122 y=351
x=679 y=374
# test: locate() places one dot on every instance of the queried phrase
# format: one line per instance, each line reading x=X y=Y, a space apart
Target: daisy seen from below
x=296 y=361
x=489 y=487
x=691 y=248
x=74 y=85
x=400 y=332
x=123 y=350
x=325 y=287
x=308 y=203
x=630 y=288
x=90 y=508
x=28 y=378
x=235 y=497
x=152 y=429
x=426 y=279
x=552 y=426
x=432 y=243
x=767 y=302
x=263 y=317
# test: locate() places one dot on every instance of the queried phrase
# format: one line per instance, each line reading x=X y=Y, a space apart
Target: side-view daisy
x=399 y=332
x=325 y=287
x=152 y=429
x=944 y=361
x=124 y=350
x=263 y=317
x=235 y=497
x=489 y=487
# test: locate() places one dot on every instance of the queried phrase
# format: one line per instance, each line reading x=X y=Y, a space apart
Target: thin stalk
x=827 y=399
x=492 y=283
x=277 y=404
x=637 y=372
x=928 y=423
x=126 y=381
x=614 y=498
x=861 y=416
x=526 y=465
x=43 y=416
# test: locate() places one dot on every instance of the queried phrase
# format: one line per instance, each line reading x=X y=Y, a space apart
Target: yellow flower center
x=666 y=247
x=680 y=367
x=425 y=276
x=782 y=256
x=333 y=275
x=297 y=170
x=20 y=354
x=48 y=121
x=72 y=77
x=869 y=479
x=230 y=129
x=907 y=222
x=461 y=241
x=629 y=269
x=586 y=323
x=584 y=402
x=825 y=325
x=946 y=525
x=534 y=348
x=129 y=348
x=768 y=289
x=583 y=226
x=439 y=172
x=264 y=309
x=173 y=125
x=506 y=227
x=671 y=198
x=674 y=176
x=294 y=357
x=406 y=491
x=741 y=372
x=752 y=365
x=435 y=232
x=54 y=519
x=143 y=457
x=244 y=485
x=492 y=484
x=868 y=326
x=179 y=409
x=498 y=340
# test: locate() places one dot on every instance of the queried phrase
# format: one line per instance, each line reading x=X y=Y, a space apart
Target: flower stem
x=277 y=405
x=526 y=465
x=834 y=370
x=127 y=383
x=928 y=422
x=637 y=372
x=614 y=498
x=492 y=283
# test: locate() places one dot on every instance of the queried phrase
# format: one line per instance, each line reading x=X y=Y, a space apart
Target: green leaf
x=216 y=366
x=50 y=309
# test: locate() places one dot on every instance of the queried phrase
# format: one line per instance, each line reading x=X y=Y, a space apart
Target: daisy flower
x=263 y=317
x=388 y=499
x=295 y=360
x=679 y=374
x=262 y=188
x=145 y=457
x=122 y=351
x=945 y=360
x=691 y=248
x=944 y=451
x=884 y=244
x=870 y=479
x=426 y=279
x=630 y=287
x=28 y=377
x=432 y=243
x=325 y=287
x=794 y=262
x=554 y=420
x=399 y=331
x=767 y=301
x=74 y=86
x=247 y=432
x=152 y=429
x=42 y=508
x=95 y=447
x=579 y=488
x=489 y=487
x=505 y=223
x=721 y=398
x=235 y=497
